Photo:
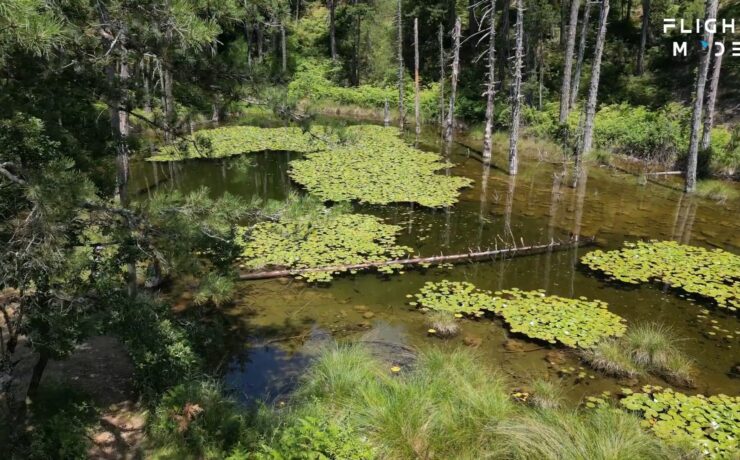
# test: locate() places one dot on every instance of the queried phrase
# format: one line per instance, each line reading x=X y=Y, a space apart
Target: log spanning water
x=453 y=258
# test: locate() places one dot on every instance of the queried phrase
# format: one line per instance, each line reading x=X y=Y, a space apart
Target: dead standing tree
x=701 y=81
x=516 y=95
x=593 y=90
x=417 y=114
x=442 y=78
x=450 y=125
x=401 y=114
x=568 y=65
x=706 y=139
x=581 y=53
x=490 y=82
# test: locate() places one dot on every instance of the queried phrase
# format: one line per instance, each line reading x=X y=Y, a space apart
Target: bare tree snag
x=490 y=84
x=442 y=77
x=706 y=139
x=581 y=53
x=450 y=125
x=516 y=96
x=593 y=90
x=401 y=113
x=701 y=81
x=417 y=114
x=568 y=65
x=643 y=36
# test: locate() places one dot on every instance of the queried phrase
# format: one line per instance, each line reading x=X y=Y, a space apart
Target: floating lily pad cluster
x=328 y=241
x=714 y=274
x=453 y=297
x=378 y=167
x=572 y=322
x=236 y=140
x=712 y=423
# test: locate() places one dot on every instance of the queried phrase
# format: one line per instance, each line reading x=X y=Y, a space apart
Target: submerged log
x=454 y=258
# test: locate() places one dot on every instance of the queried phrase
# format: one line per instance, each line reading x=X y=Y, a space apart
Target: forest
x=370 y=229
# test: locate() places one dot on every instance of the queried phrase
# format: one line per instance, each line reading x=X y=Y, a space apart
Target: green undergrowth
x=325 y=237
x=236 y=140
x=709 y=423
x=712 y=274
x=717 y=190
x=378 y=167
x=644 y=349
x=577 y=323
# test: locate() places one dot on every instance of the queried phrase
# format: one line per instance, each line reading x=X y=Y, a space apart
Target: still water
x=280 y=325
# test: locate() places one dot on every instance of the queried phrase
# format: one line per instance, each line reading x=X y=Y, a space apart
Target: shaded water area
x=281 y=324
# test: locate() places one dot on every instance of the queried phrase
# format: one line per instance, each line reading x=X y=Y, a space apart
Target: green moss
x=711 y=423
x=714 y=274
x=572 y=322
x=377 y=167
x=330 y=240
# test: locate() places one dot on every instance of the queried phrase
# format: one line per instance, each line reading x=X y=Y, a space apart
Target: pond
x=280 y=324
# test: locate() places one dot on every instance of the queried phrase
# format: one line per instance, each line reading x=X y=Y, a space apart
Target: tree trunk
x=442 y=77
x=450 y=126
x=401 y=114
x=701 y=81
x=248 y=38
x=38 y=372
x=593 y=90
x=643 y=37
x=628 y=13
x=581 y=53
x=706 y=139
x=504 y=61
x=417 y=114
x=490 y=85
x=516 y=102
x=283 y=49
x=568 y=66
x=332 y=30
x=260 y=42
x=386 y=114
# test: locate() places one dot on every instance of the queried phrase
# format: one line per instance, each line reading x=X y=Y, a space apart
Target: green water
x=279 y=325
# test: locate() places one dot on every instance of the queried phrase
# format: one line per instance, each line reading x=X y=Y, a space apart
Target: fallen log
x=454 y=258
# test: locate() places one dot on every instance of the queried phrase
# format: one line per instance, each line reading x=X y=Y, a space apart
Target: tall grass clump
x=603 y=433
x=645 y=348
x=547 y=394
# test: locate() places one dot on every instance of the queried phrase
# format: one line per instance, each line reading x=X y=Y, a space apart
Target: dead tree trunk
x=581 y=53
x=442 y=77
x=386 y=114
x=706 y=139
x=455 y=258
x=283 y=49
x=504 y=61
x=248 y=39
x=593 y=90
x=568 y=65
x=332 y=30
x=450 y=125
x=401 y=114
x=417 y=114
x=701 y=81
x=516 y=96
x=643 y=36
x=490 y=84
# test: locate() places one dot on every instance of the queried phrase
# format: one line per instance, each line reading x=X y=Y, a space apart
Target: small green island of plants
x=713 y=274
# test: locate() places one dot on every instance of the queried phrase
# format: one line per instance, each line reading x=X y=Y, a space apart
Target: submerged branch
x=454 y=258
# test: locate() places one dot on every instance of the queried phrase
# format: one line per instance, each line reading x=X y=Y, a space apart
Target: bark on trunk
x=450 y=125
x=568 y=65
x=516 y=102
x=38 y=372
x=386 y=114
x=581 y=53
x=504 y=61
x=490 y=85
x=283 y=49
x=442 y=77
x=593 y=90
x=706 y=139
x=701 y=81
x=260 y=42
x=455 y=258
x=643 y=36
x=401 y=114
x=248 y=38
x=332 y=30
x=417 y=114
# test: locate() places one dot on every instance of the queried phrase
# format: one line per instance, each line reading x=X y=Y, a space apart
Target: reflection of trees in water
x=509 y=205
x=482 y=209
x=555 y=197
x=684 y=219
x=580 y=181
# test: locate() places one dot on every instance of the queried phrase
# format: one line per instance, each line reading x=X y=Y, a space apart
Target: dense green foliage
x=710 y=423
x=712 y=274
x=378 y=167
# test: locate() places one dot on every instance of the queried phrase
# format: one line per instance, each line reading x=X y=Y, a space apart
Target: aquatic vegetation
x=443 y=324
x=645 y=348
x=711 y=423
x=332 y=239
x=714 y=274
x=236 y=140
x=572 y=322
x=377 y=167
x=547 y=394
x=453 y=297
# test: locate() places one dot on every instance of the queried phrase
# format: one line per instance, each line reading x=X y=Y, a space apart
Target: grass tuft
x=443 y=322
